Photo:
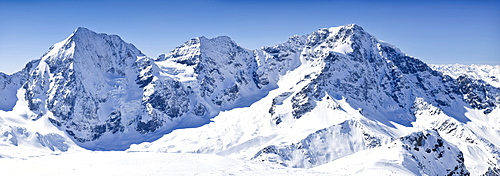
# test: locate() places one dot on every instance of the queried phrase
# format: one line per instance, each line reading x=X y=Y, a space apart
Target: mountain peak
x=189 y=52
x=86 y=48
x=353 y=26
x=216 y=41
x=82 y=29
x=85 y=36
x=337 y=29
x=352 y=29
x=82 y=32
x=221 y=37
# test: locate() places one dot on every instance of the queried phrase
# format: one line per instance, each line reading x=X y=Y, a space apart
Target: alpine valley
x=337 y=101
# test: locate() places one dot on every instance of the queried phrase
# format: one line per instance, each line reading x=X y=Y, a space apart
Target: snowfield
x=141 y=163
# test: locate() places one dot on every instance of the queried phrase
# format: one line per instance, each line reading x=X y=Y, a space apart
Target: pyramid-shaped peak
x=82 y=31
x=86 y=52
x=85 y=42
x=85 y=35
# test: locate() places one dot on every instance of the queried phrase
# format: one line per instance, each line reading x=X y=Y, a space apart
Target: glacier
x=318 y=101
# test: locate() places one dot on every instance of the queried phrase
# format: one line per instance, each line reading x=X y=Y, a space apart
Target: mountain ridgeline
x=96 y=84
x=105 y=94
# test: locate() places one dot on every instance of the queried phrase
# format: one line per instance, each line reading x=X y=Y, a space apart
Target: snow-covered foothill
x=419 y=153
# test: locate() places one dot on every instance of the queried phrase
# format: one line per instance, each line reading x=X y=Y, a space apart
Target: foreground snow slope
x=141 y=163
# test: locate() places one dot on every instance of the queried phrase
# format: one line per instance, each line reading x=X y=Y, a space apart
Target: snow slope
x=141 y=163
x=22 y=137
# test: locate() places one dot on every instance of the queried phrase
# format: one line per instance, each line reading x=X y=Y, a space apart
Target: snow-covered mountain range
x=488 y=73
x=318 y=101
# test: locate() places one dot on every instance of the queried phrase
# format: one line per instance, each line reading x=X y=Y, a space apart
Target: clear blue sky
x=437 y=32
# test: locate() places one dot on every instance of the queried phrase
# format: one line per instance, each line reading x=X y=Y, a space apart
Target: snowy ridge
x=9 y=85
x=420 y=153
x=22 y=137
x=313 y=100
x=323 y=146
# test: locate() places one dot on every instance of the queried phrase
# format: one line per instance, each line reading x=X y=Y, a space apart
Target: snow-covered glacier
x=318 y=101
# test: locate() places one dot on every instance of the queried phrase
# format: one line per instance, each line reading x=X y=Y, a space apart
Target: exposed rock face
x=439 y=155
x=380 y=79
